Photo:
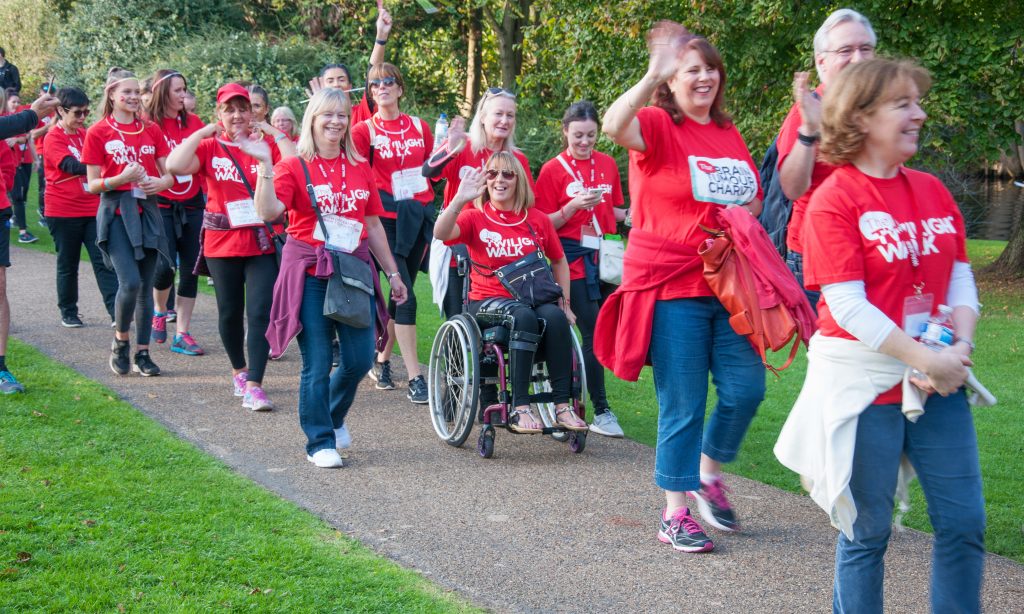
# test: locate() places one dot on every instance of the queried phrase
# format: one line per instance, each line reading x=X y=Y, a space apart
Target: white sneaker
x=326 y=459
x=342 y=438
x=606 y=424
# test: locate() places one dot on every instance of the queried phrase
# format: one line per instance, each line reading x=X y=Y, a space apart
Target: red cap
x=231 y=90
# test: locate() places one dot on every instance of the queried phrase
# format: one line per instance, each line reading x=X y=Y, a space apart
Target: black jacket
x=10 y=77
x=18 y=123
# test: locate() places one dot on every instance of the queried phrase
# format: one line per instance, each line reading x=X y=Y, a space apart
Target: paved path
x=534 y=529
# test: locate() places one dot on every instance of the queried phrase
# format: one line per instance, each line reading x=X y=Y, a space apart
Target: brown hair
x=385 y=69
x=857 y=92
x=161 y=88
x=114 y=77
x=505 y=161
x=664 y=98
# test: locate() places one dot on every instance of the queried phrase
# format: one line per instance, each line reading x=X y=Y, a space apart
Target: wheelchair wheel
x=578 y=388
x=485 y=444
x=454 y=377
x=577 y=441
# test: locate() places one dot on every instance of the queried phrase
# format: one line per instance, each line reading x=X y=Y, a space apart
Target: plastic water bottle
x=937 y=333
x=440 y=130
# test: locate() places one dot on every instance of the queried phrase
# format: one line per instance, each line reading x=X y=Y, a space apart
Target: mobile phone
x=595 y=191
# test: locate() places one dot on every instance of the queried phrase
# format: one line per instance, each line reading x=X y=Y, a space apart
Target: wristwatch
x=390 y=275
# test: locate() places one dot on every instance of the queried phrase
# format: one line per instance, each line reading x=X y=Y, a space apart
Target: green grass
x=104 y=510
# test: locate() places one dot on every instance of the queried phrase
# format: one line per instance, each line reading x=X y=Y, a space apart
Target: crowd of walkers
x=268 y=205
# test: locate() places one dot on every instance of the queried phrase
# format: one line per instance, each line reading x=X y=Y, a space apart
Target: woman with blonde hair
x=284 y=120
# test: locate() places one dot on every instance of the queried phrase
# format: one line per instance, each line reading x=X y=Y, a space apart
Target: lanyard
x=79 y=144
x=344 y=172
x=133 y=157
x=393 y=135
x=577 y=175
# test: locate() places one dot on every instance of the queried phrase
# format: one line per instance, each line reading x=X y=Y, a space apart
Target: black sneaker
x=71 y=321
x=714 y=508
x=144 y=364
x=381 y=373
x=683 y=532
x=335 y=353
x=120 y=363
x=417 y=390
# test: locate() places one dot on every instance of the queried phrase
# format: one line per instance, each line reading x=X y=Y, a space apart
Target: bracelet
x=381 y=42
x=969 y=343
x=561 y=212
x=391 y=275
x=808 y=140
x=106 y=186
x=280 y=137
x=270 y=176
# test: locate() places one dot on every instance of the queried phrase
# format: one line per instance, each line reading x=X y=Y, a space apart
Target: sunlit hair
x=327 y=99
x=286 y=113
x=582 y=111
x=857 y=93
x=663 y=97
x=837 y=18
x=382 y=70
x=70 y=97
x=505 y=161
x=477 y=138
x=162 y=81
x=116 y=76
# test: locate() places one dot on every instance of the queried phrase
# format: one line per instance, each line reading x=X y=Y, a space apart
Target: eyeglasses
x=78 y=113
x=849 y=50
x=386 y=81
x=500 y=91
x=493 y=174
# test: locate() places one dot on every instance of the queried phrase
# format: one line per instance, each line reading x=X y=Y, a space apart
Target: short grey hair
x=838 y=17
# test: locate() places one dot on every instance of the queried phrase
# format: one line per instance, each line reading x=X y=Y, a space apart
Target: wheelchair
x=462 y=350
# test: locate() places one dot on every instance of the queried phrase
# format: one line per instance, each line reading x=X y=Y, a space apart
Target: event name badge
x=589 y=237
x=85 y=187
x=407 y=183
x=138 y=192
x=344 y=233
x=917 y=309
x=242 y=214
x=183 y=178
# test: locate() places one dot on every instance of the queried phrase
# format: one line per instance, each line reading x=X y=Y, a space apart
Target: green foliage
x=28 y=40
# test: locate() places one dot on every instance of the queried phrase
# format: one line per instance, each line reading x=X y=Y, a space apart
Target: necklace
x=401 y=125
x=506 y=224
x=113 y=123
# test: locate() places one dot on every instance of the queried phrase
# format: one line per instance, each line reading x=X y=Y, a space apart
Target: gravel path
x=534 y=529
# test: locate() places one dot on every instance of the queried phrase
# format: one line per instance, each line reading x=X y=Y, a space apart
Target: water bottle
x=440 y=130
x=937 y=333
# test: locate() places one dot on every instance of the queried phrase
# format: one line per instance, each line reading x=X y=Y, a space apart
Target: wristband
x=106 y=186
x=969 y=343
x=808 y=140
x=381 y=42
x=280 y=137
x=391 y=275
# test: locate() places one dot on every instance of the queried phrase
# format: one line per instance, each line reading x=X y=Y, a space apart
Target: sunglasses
x=386 y=81
x=493 y=174
x=78 y=113
x=500 y=91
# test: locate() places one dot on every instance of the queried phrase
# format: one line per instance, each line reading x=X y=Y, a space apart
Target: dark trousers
x=134 y=283
x=69 y=235
x=184 y=251
x=19 y=194
x=452 y=303
x=245 y=287
x=586 y=312
x=408 y=269
x=41 y=174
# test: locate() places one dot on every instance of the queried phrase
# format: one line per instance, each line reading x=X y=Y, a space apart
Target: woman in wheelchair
x=497 y=231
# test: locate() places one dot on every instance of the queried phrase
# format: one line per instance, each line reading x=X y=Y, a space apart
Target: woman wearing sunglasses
x=124 y=157
x=71 y=208
x=580 y=191
x=235 y=243
x=686 y=161
x=497 y=231
x=396 y=146
x=346 y=204
x=492 y=130
x=181 y=207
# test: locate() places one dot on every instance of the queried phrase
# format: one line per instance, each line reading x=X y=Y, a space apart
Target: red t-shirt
x=821 y=170
x=465 y=160
x=400 y=146
x=175 y=131
x=341 y=188
x=361 y=112
x=226 y=186
x=556 y=186
x=861 y=228
x=66 y=195
x=688 y=171
x=23 y=149
x=8 y=166
x=494 y=240
x=111 y=146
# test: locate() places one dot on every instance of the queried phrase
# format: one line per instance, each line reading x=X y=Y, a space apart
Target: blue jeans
x=795 y=262
x=943 y=449
x=690 y=338
x=324 y=401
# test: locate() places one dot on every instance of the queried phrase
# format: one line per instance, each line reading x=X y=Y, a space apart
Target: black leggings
x=183 y=250
x=408 y=269
x=245 y=286
x=452 y=303
x=556 y=346
x=19 y=193
x=586 y=312
x=134 y=283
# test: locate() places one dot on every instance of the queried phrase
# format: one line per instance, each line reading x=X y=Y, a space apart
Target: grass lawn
x=104 y=510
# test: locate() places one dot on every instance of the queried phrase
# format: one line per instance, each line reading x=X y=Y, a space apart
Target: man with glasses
x=845 y=38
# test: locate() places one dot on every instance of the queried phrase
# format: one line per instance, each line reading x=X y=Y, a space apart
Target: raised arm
x=383 y=32
x=471 y=188
x=183 y=160
x=795 y=171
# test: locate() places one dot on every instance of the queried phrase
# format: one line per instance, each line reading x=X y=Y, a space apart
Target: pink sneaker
x=159 y=328
x=239 y=382
x=256 y=400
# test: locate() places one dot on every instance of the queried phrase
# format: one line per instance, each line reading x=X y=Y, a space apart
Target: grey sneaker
x=606 y=424
x=381 y=373
x=417 y=390
x=8 y=384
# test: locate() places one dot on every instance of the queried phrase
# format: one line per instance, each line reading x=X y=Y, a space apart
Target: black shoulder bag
x=350 y=288
x=529 y=280
x=277 y=239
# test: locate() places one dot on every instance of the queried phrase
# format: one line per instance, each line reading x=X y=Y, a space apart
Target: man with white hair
x=845 y=38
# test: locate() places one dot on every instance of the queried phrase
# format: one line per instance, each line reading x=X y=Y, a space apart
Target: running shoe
x=256 y=400
x=335 y=353
x=172 y=315
x=71 y=321
x=144 y=365
x=606 y=424
x=27 y=237
x=8 y=383
x=185 y=344
x=381 y=373
x=683 y=532
x=159 y=327
x=326 y=459
x=714 y=506
x=239 y=383
x=120 y=362
x=417 y=390
x=342 y=438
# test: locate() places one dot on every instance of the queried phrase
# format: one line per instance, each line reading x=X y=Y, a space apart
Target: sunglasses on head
x=388 y=81
x=493 y=173
x=500 y=91
x=79 y=113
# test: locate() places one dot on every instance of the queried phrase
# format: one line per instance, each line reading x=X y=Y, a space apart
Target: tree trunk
x=509 y=32
x=1010 y=263
x=474 y=60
